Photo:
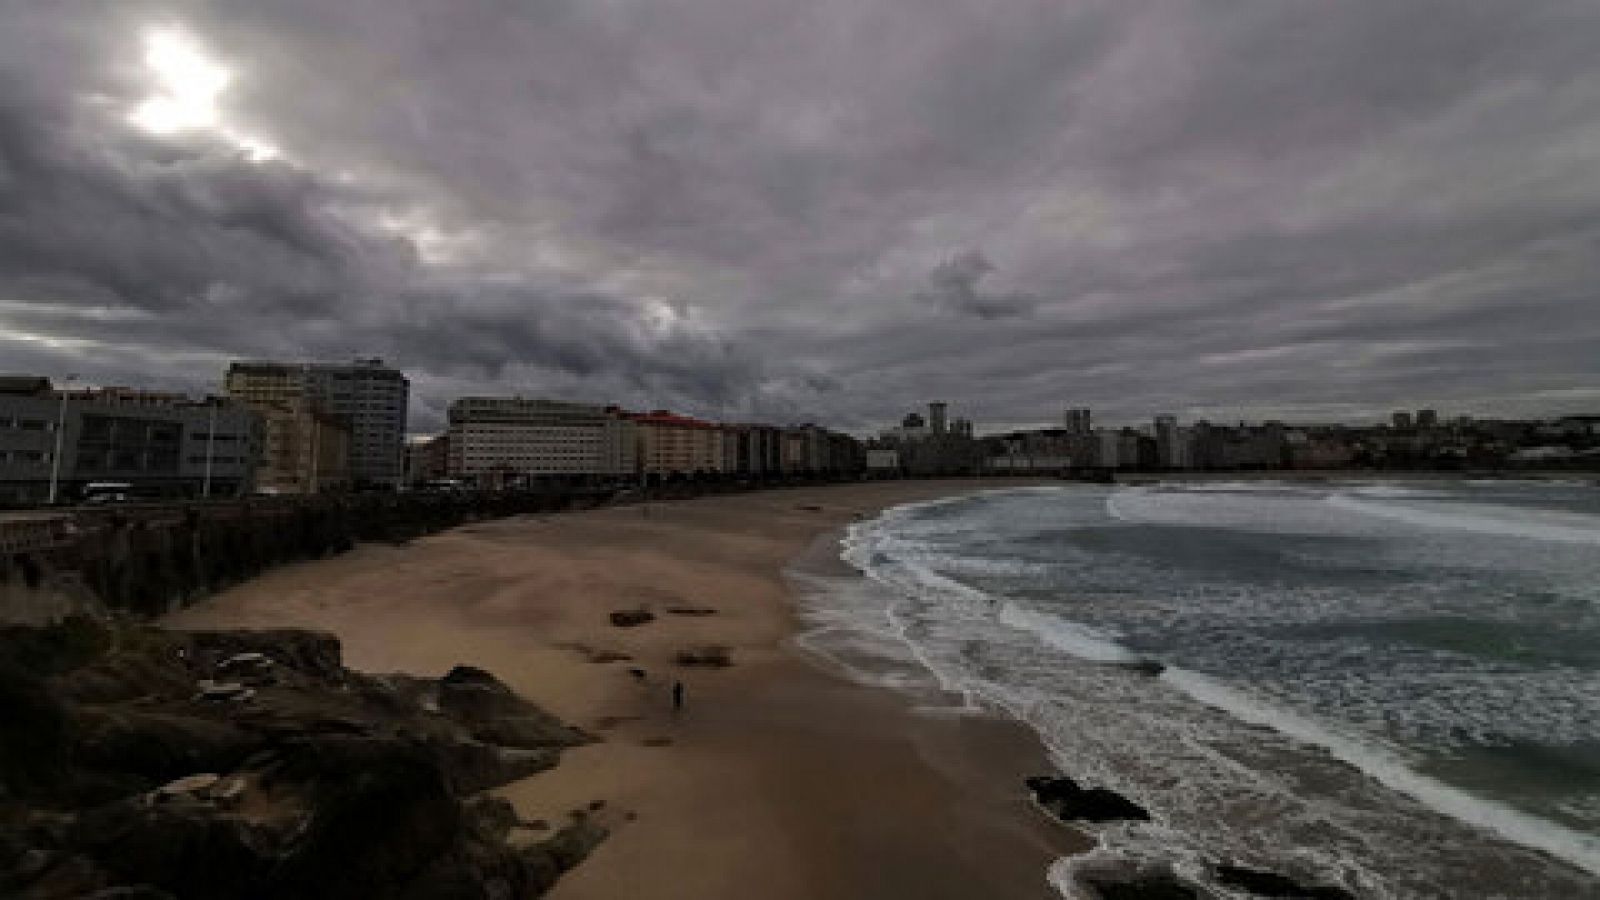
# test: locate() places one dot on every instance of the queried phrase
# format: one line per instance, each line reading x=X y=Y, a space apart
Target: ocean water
x=1389 y=686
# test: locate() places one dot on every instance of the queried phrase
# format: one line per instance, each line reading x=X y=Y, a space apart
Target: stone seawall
x=148 y=560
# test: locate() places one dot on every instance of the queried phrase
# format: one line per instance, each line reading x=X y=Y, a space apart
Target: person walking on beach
x=677 y=696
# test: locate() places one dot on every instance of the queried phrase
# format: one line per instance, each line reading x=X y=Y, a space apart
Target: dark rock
x=471 y=694
x=528 y=732
x=33 y=736
x=1271 y=884
x=628 y=618
x=1144 y=887
x=1066 y=800
x=492 y=816
x=311 y=653
x=182 y=849
x=492 y=713
x=74 y=876
x=53 y=649
x=572 y=844
x=327 y=784
x=381 y=810
x=156 y=745
x=710 y=657
x=136 y=892
x=601 y=657
x=1148 y=667
x=473 y=766
x=127 y=676
x=691 y=610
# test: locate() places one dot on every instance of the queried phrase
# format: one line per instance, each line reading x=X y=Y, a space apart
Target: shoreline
x=778 y=776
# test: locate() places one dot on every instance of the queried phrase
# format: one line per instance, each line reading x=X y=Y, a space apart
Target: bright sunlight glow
x=188 y=84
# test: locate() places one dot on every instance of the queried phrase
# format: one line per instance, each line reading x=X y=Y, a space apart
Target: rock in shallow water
x=1271 y=884
x=1150 y=887
x=1066 y=800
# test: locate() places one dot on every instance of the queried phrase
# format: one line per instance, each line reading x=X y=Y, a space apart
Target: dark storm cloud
x=953 y=287
x=765 y=209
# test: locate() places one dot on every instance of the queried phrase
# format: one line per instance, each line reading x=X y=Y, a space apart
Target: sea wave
x=1500 y=521
x=1103 y=720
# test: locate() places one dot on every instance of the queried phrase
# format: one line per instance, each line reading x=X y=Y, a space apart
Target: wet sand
x=777 y=780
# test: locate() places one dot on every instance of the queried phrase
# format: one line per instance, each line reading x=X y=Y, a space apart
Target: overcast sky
x=830 y=210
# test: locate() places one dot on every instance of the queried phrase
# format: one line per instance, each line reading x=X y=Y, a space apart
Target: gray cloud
x=953 y=286
x=768 y=210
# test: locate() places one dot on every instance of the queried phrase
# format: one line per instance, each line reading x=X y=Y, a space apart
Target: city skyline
x=763 y=211
x=202 y=388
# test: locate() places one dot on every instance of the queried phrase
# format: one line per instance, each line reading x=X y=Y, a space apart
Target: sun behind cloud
x=188 y=86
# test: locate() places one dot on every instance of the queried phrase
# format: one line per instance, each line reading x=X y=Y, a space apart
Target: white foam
x=1082 y=641
x=1393 y=490
x=1265 y=486
x=1501 y=521
x=1389 y=768
x=1148 y=739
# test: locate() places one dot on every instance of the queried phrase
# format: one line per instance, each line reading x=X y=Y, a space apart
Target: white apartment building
x=495 y=438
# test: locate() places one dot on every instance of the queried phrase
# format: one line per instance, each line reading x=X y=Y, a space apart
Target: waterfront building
x=368 y=396
x=1030 y=452
x=160 y=444
x=495 y=441
x=307 y=449
x=674 y=445
x=427 y=458
x=882 y=461
x=759 y=449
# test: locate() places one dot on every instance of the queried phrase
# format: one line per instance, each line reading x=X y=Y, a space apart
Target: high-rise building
x=1402 y=420
x=1427 y=418
x=496 y=439
x=368 y=396
x=1079 y=421
x=936 y=417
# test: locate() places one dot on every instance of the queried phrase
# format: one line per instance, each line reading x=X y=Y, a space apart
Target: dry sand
x=777 y=780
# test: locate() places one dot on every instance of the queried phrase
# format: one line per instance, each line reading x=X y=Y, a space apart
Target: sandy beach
x=776 y=780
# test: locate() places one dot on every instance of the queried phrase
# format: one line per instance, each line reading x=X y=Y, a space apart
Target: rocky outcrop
x=141 y=763
x=1271 y=884
x=1064 y=799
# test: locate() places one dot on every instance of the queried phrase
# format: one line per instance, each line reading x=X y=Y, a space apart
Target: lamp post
x=211 y=444
x=316 y=451
x=55 y=457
